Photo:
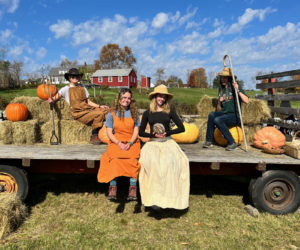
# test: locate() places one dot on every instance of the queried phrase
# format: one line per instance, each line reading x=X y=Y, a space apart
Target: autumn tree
x=113 y=57
x=197 y=78
x=16 y=70
x=160 y=74
x=174 y=81
x=87 y=71
x=66 y=63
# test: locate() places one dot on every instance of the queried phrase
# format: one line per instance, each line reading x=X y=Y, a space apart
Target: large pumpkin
x=16 y=112
x=268 y=137
x=44 y=90
x=147 y=130
x=190 y=135
x=102 y=135
x=236 y=133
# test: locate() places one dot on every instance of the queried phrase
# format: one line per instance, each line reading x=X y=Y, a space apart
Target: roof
x=112 y=72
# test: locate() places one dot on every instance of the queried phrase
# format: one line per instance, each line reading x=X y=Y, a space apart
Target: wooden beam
x=25 y=162
x=284 y=84
x=284 y=110
x=286 y=97
x=90 y=164
x=279 y=74
x=215 y=166
x=261 y=166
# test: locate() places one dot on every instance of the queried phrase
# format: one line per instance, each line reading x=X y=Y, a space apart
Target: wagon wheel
x=13 y=180
x=276 y=192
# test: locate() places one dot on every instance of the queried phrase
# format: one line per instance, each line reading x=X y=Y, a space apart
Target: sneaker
x=231 y=147
x=132 y=193
x=95 y=140
x=207 y=144
x=112 y=193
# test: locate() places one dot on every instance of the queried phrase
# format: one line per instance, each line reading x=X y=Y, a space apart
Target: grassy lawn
x=188 y=95
x=72 y=212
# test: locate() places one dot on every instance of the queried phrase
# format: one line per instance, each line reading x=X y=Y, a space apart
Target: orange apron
x=116 y=162
x=83 y=112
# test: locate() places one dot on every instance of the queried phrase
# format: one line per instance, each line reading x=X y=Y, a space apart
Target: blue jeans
x=221 y=121
x=113 y=182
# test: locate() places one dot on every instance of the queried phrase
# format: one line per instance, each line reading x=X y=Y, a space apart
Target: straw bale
x=12 y=213
x=67 y=131
x=202 y=125
x=40 y=109
x=6 y=132
x=206 y=105
x=250 y=130
x=27 y=132
x=255 y=112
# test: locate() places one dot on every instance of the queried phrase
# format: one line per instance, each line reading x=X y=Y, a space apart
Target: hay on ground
x=6 y=132
x=255 y=112
x=12 y=213
x=26 y=132
x=67 y=131
x=40 y=109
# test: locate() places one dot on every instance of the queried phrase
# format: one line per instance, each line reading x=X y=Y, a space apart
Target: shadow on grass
x=57 y=184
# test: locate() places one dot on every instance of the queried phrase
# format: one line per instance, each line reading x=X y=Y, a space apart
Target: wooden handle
x=294 y=136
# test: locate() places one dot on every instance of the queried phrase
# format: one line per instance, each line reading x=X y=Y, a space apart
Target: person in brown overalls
x=82 y=108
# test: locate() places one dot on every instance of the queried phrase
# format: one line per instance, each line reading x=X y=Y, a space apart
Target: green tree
x=113 y=57
x=159 y=74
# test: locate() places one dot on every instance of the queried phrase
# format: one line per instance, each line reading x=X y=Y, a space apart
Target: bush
x=3 y=102
x=184 y=108
x=99 y=99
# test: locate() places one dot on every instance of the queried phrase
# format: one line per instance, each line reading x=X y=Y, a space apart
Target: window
x=100 y=79
x=109 y=79
x=120 y=79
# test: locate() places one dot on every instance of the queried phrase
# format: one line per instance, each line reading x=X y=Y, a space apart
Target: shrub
x=3 y=102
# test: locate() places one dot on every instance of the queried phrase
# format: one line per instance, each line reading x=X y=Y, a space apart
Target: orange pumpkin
x=268 y=137
x=44 y=90
x=190 y=135
x=236 y=133
x=16 y=112
x=147 y=130
x=102 y=135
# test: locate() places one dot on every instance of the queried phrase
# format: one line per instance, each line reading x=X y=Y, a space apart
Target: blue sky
x=260 y=35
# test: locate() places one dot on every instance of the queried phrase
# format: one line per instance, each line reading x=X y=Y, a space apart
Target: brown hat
x=225 y=72
x=73 y=72
x=160 y=89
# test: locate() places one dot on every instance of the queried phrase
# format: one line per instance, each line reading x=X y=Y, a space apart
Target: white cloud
x=16 y=51
x=62 y=29
x=9 y=6
x=187 y=16
x=248 y=16
x=160 y=20
x=5 y=36
x=41 y=53
x=87 y=55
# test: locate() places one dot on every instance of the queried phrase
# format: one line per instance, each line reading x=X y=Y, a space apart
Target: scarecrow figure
x=82 y=108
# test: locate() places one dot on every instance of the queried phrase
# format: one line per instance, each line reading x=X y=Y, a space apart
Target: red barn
x=145 y=82
x=115 y=78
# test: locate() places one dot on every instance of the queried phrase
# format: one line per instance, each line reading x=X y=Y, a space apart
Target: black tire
x=276 y=192
x=250 y=189
x=18 y=176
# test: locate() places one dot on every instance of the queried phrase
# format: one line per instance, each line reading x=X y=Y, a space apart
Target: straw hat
x=225 y=72
x=73 y=72
x=160 y=89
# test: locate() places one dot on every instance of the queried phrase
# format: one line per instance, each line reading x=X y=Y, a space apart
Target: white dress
x=164 y=177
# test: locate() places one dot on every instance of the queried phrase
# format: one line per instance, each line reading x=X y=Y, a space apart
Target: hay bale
x=6 y=132
x=67 y=131
x=250 y=130
x=27 y=132
x=39 y=109
x=12 y=213
x=202 y=125
x=206 y=105
x=255 y=112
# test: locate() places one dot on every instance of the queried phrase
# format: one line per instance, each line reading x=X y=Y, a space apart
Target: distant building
x=145 y=82
x=57 y=74
x=115 y=78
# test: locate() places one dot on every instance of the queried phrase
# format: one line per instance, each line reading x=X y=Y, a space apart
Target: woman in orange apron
x=123 y=151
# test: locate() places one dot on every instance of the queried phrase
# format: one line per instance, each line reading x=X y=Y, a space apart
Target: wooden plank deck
x=195 y=153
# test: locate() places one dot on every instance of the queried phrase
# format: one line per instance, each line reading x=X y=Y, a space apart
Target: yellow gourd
x=190 y=135
x=236 y=133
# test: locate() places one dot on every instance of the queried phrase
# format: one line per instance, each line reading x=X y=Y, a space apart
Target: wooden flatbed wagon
x=274 y=185
x=274 y=179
